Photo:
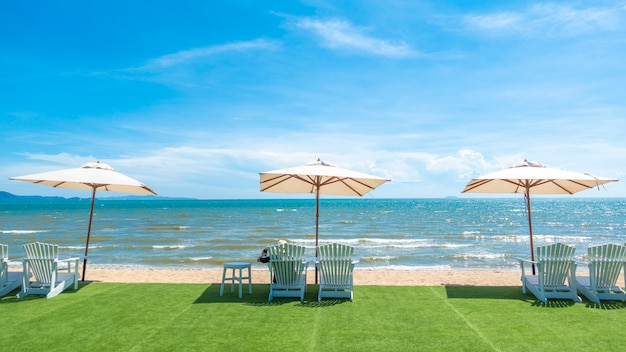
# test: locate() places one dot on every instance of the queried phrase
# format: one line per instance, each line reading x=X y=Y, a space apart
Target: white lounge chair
x=335 y=265
x=606 y=263
x=52 y=275
x=287 y=271
x=556 y=273
x=9 y=281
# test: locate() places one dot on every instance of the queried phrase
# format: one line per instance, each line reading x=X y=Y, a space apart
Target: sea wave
x=21 y=232
x=172 y=247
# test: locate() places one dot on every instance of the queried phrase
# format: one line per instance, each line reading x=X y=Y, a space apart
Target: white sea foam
x=199 y=259
x=80 y=247
x=20 y=232
x=169 y=246
x=481 y=256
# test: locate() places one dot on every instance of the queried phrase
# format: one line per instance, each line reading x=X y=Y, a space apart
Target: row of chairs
x=51 y=274
x=555 y=277
x=556 y=273
x=287 y=267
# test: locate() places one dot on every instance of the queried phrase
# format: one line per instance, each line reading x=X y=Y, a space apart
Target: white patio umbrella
x=319 y=177
x=90 y=176
x=534 y=178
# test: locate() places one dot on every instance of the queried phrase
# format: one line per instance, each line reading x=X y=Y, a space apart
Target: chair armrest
x=8 y=262
x=73 y=259
x=69 y=265
x=522 y=263
x=12 y=261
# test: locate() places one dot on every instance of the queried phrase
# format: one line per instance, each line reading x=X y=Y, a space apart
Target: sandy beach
x=361 y=276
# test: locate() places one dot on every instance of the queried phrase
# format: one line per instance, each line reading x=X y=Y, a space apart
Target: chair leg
x=56 y=290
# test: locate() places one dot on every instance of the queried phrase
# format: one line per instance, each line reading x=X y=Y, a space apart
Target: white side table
x=237 y=275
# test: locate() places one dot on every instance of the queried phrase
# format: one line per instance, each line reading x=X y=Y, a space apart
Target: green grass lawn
x=193 y=317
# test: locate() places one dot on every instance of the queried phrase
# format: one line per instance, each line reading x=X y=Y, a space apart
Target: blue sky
x=195 y=98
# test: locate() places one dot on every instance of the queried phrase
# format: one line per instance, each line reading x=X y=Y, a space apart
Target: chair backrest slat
x=286 y=251
x=334 y=251
x=554 y=263
x=606 y=262
x=287 y=263
x=41 y=259
x=335 y=264
x=4 y=270
x=4 y=251
x=288 y=272
x=336 y=272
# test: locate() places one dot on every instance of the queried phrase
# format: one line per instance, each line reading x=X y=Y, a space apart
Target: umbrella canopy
x=90 y=176
x=534 y=178
x=319 y=178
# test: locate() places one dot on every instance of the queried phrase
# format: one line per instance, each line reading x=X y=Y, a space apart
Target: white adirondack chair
x=9 y=281
x=556 y=273
x=52 y=275
x=287 y=271
x=606 y=263
x=335 y=266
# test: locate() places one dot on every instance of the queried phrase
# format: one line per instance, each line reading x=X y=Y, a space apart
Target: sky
x=195 y=98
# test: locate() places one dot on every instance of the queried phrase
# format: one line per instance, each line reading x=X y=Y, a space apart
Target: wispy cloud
x=549 y=19
x=198 y=55
x=188 y=68
x=341 y=34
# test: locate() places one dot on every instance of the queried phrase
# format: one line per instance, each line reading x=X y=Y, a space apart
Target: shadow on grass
x=259 y=297
x=607 y=305
x=10 y=297
x=487 y=292
x=515 y=292
x=555 y=303
x=511 y=293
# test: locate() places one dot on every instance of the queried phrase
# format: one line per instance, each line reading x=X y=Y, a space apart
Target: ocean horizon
x=412 y=234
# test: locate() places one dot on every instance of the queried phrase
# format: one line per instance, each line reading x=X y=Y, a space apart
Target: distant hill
x=6 y=196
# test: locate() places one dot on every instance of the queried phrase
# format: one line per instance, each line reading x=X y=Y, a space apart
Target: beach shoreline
x=426 y=277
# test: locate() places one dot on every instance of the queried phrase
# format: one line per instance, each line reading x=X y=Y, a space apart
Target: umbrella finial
x=527 y=163
x=97 y=165
x=320 y=162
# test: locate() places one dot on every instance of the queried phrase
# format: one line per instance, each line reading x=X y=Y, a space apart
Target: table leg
x=223 y=277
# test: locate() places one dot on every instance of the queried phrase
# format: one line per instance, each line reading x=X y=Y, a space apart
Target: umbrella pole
x=317 y=219
x=93 y=199
x=530 y=228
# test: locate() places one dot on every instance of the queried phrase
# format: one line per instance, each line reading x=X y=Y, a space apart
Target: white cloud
x=464 y=164
x=197 y=55
x=188 y=68
x=503 y=20
x=61 y=160
x=341 y=34
x=549 y=19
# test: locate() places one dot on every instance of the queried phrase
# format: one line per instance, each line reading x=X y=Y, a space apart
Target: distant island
x=6 y=196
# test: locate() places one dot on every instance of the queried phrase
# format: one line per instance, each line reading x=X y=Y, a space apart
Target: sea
x=412 y=234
